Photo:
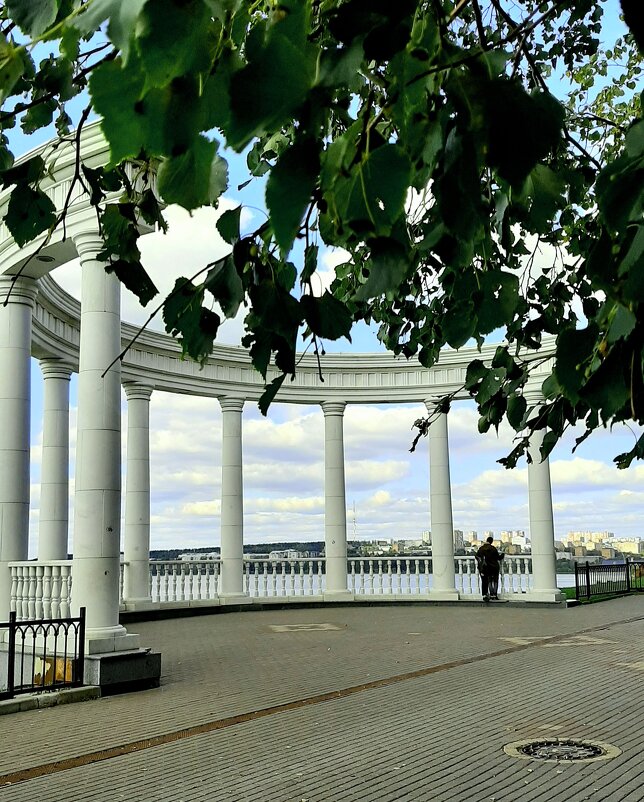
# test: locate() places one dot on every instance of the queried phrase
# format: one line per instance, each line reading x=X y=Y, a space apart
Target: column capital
x=135 y=390
x=88 y=243
x=333 y=408
x=229 y=404
x=431 y=402
x=22 y=290
x=533 y=393
x=54 y=368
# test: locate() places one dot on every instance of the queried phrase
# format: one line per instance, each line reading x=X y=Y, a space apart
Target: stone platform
x=359 y=704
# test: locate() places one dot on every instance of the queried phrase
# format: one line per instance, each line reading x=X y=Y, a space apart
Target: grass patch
x=569 y=593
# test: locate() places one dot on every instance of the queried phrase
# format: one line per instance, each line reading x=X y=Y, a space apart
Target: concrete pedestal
x=122 y=671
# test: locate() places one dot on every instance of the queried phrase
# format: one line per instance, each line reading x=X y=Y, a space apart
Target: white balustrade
x=184 y=581
x=41 y=589
x=390 y=576
x=266 y=578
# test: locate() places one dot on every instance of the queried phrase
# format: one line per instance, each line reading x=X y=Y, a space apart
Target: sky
x=387 y=488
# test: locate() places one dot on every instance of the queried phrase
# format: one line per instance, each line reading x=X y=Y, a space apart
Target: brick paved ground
x=425 y=738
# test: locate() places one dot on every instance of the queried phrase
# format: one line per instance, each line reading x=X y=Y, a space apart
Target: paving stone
x=425 y=738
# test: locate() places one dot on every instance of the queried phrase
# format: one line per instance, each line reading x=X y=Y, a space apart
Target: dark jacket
x=488 y=559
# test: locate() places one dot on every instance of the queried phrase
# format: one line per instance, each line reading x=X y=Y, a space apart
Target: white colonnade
x=97 y=500
x=442 y=526
x=542 y=529
x=335 y=504
x=53 y=528
x=232 y=500
x=136 y=590
x=17 y=299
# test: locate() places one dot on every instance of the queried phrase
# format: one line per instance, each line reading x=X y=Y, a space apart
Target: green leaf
x=372 y=195
x=326 y=316
x=388 y=265
x=26 y=172
x=174 y=39
x=116 y=92
x=622 y=324
x=574 y=348
x=310 y=262
x=183 y=315
x=122 y=18
x=490 y=386
x=224 y=283
x=265 y=92
x=516 y=410
x=228 y=225
x=631 y=265
x=11 y=67
x=134 y=276
x=32 y=16
x=549 y=441
x=458 y=323
x=279 y=312
x=547 y=197
x=195 y=178
x=619 y=191
x=289 y=188
x=29 y=213
x=476 y=371
x=270 y=391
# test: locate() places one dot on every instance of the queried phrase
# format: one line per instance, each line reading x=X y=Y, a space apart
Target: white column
x=136 y=586
x=232 y=500
x=54 y=472
x=97 y=502
x=335 y=505
x=15 y=408
x=542 y=529
x=442 y=525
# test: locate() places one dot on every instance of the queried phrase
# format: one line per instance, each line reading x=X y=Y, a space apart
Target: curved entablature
x=155 y=358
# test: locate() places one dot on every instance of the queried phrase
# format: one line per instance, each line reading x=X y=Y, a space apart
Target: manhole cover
x=562 y=750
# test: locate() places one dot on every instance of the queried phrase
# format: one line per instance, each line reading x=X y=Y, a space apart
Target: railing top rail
x=208 y=560
x=38 y=563
x=282 y=559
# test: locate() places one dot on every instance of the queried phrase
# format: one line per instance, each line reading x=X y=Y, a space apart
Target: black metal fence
x=608 y=579
x=44 y=655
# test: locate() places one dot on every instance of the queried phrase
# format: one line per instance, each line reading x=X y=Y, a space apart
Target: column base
x=338 y=596
x=444 y=595
x=109 y=645
x=234 y=598
x=553 y=596
x=140 y=604
x=120 y=672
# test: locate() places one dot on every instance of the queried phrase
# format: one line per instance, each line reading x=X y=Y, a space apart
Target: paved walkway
x=355 y=704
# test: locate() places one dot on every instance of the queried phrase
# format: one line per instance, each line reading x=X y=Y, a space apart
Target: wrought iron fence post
x=11 y=653
x=628 y=574
x=577 y=593
x=80 y=662
x=588 y=593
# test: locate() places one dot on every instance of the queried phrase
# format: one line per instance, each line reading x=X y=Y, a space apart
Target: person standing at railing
x=488 y=560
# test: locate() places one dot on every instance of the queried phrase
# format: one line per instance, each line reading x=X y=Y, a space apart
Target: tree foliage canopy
x=481 y=162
